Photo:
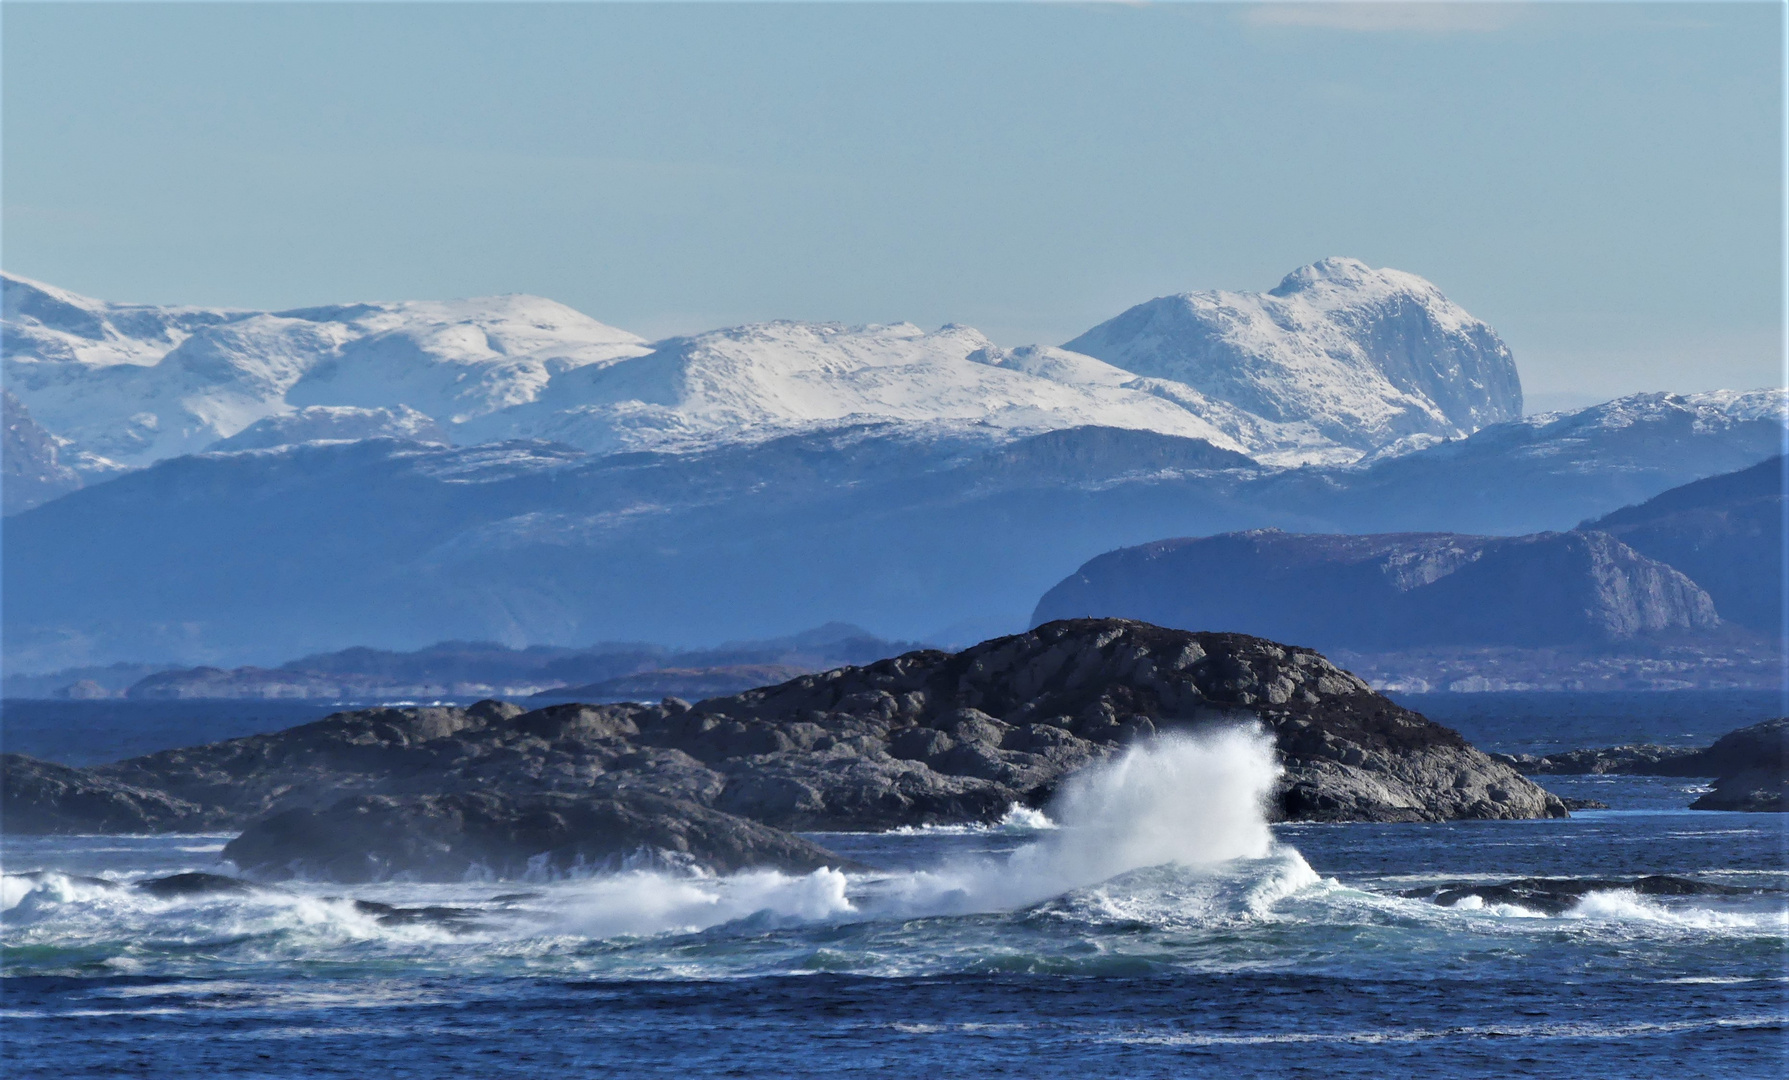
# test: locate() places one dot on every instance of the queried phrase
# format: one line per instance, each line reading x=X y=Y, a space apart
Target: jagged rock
x=447 y=837
x=928 y=737
x=30 y=460
x=1755 y=790
x=42 y=797
x=1637 y=758
x=1552 y=896
x=1751 y=766
x=1726 y=532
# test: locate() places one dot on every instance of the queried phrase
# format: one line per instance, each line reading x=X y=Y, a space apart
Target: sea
x=1149 y=923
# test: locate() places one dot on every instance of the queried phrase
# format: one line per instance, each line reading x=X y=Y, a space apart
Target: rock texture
x=1391 y=590
x=921 y=738
x=34 y=471
x=1633 y=759
x=1726 y=532
x=447 y=837
x=41 y=797
x=1554 y=896
x=1750 y=766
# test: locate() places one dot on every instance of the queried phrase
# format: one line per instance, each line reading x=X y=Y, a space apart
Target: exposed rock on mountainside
x=1726 y=532
x=445 y=837
x=1364 y=357
x=1390 y=590
x=925 y=737
x=1527 y=475
x=34 y=472
x=335 y=422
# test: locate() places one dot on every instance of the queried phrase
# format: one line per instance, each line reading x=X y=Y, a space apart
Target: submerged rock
x=451 y=837
x=1554 y=896
x=195 y=883
x=927 y=737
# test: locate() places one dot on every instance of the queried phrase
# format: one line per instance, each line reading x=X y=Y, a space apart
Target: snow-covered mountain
x=133 y=384
x=1363 y=357
x=1338 y=362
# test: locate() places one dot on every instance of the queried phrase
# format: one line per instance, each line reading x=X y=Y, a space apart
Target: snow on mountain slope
x=134 y=384
x=755 y=382
x=1636 y=426
x=1365 y=357
x=315 y=423
x=1339 y=361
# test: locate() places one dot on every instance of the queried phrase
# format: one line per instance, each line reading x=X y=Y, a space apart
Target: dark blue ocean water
x=1217 y=948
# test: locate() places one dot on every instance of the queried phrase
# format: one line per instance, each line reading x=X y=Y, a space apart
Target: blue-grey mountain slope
x=259 y=556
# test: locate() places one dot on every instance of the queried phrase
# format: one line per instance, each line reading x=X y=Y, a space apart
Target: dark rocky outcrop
x=447 y=837
x=1554 y=896
x=41 y=797
x=1391 y=591
x=1750 y=766
x=1633 y=759
x=921 y=738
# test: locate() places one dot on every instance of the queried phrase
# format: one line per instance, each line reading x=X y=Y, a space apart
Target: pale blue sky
x=1601 y=182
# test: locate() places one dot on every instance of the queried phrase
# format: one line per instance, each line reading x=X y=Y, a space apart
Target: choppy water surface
x=1157 y=927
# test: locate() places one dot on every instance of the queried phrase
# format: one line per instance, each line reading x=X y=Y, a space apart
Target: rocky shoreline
x=924 y=738
x=1749 y=767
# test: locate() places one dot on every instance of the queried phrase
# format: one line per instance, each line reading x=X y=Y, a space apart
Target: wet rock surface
x=42 y=797
x=1750 y=766
x=449 y=837
x=927 y=737
x=1553 y=896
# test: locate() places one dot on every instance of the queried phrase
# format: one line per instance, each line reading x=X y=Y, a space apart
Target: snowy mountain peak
x=1364 y=356
x=1340 y=360
x=132 y=383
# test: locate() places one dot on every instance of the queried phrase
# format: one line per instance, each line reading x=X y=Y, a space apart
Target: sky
x=1602 y=182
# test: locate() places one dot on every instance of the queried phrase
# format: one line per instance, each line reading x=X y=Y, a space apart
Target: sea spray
x=1195 y=801
x=648 y=902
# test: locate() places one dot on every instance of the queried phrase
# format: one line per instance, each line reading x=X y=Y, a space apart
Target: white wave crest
x=1626 y=906
x=1194 y=802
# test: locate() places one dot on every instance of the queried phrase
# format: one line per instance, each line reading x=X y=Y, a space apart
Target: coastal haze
x=494 y=584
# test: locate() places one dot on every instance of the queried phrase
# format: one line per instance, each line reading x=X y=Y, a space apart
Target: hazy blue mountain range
x=391 y=543
x=1699 y=566
x=266 y=485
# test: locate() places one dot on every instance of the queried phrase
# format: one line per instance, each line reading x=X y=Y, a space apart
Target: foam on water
x=1162 y=855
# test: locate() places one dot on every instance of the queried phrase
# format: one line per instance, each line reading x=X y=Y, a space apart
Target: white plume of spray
x=1196 y=801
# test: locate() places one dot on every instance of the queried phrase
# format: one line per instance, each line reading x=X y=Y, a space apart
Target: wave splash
x=1196 y=803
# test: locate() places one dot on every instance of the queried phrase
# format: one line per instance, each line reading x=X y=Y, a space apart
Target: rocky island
x=926 y=737
x=1750 y=766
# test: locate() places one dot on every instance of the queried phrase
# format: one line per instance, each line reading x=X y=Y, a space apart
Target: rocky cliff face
x=1391 y=590
x=921 y=738
x=34 y=472
x=1726 y=532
